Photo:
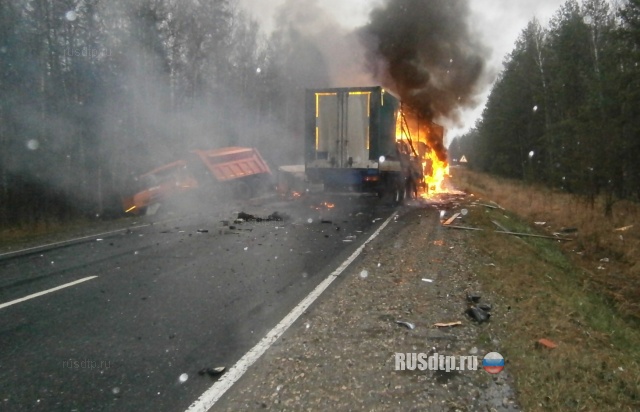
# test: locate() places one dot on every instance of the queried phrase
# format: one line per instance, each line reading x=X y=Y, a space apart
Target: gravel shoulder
x=340 y=354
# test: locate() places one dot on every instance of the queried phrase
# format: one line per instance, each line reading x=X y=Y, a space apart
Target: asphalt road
x=160 y=303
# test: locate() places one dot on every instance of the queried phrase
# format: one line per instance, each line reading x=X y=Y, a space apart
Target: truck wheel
x=410 y=190
x=398 y=195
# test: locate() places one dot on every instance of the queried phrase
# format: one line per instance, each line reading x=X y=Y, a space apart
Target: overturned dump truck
x=239 y=171
x=359 y=139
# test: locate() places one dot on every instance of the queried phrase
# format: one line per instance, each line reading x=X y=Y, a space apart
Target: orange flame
x=418 y=134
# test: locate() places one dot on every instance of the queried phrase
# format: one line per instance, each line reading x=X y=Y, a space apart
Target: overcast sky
x=498 y=22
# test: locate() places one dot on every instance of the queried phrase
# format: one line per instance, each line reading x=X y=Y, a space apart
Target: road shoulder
x=340 y=355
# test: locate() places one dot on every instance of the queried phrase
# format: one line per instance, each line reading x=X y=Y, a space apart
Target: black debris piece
x=478 y=314
x=245 y=216
x=473 y=297
x=211 y=371
x=278 y=217
x=485 y=306
x=273 y=217
x=203 y=231
x=329 y=222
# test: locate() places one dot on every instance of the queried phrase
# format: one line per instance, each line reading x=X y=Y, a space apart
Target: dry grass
x=545 y=294
x=596 y=239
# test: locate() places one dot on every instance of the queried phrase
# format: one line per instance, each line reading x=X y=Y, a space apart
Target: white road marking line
x=215 y=392
x=44 y=292
x=70 y=241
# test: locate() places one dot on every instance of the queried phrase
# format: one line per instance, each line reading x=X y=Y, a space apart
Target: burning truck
x=364 y=139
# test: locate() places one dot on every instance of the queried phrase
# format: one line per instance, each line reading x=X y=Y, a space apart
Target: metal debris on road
x=211 y=371
x=273 y=217
x=407 y=325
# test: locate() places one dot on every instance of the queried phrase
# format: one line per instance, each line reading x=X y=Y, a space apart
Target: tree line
x=565 y=111
x=95 y=92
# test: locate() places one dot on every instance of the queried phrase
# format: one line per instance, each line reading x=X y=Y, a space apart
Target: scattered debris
x=464 y=228
x=203 y=231
x=183 y=378
x=604 y=260
x=478 y=314
x=546 y=343
x=211 y=371
x=623 y=229
x=448 y=324
x=500 y=226
x=540 y=223
x=485 y=306
x=329 y=222
x=473 y=297
x=504 y=232
x=427 y=280
x=451 y=219
x=485 y=205
x=364 y=274
x=273 y=217
x=407 y=325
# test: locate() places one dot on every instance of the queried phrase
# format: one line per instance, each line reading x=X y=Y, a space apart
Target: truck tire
x=411 y=191
x=398 y=195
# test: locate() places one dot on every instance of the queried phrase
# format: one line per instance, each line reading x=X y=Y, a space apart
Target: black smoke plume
x=426 y=52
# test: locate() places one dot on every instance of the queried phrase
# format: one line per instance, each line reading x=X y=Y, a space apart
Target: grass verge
x=548 y=294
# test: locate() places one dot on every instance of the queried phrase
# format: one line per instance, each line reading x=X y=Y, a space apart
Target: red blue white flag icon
x=493 y=362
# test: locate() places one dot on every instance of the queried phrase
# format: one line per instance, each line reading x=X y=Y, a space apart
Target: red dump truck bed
x=230 y=164
x=233 y=162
